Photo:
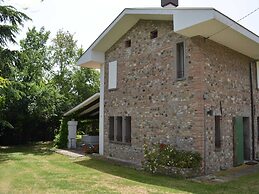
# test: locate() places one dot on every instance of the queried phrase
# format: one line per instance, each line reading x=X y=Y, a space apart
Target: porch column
x=101 y=112
x=72 y=127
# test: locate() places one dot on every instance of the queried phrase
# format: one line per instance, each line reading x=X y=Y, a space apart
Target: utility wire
x=233 y=24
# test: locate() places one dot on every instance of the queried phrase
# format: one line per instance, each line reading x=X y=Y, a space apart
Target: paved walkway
x=71 y=153
x=228 y=175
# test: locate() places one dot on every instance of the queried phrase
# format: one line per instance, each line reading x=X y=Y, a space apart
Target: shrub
x=162 y=156
x=61 y=140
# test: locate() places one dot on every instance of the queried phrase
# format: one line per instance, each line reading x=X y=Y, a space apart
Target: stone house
x=181 y=76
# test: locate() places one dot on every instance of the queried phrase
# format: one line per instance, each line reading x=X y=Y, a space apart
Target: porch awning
x=87 y=109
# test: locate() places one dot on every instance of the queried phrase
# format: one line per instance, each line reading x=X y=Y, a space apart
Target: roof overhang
x=88 y=106
x=189 y=22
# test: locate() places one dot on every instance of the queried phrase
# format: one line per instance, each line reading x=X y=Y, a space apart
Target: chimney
x=169 y=3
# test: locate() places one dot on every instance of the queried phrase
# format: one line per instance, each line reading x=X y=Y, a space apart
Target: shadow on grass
x=39 y=149
x=146 y=178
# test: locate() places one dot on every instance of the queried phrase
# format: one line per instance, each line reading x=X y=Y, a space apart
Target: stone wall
x=162 y=109
x=227 y=94
x=166 y=110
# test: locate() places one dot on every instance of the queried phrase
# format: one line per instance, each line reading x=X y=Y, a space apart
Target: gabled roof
x=189 y=22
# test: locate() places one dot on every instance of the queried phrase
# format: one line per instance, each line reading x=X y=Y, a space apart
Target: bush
x=61 y=137
x=162 y=156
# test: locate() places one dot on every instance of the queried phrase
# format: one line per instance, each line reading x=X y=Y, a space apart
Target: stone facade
x=166 y=110
x=227 y=92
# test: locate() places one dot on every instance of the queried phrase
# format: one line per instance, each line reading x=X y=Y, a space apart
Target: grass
x=36 y=169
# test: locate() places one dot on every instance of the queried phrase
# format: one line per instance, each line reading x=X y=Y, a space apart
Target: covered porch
x=86 y=117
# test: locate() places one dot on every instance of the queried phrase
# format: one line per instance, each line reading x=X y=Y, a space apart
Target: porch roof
x=87 y=109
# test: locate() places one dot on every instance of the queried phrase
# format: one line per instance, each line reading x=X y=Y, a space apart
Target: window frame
x=257 y=129
x=128 y=43
x=217 y=127
x=153 y=34
x=112 y=73
x=257 y=75
x=111 y=128
x=184 y=60
x=120 y=130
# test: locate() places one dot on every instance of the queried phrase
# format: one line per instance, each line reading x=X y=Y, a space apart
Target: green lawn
x=35 y=169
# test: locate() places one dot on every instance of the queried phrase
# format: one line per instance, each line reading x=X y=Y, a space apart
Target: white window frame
x=112 y=79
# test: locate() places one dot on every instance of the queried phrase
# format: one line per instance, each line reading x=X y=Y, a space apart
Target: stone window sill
x=120 y=143
x=217 y=149
x=181 y=79
x=112 y=89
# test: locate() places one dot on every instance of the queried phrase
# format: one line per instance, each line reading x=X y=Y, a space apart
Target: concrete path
x=70 y=153
x=228 y=175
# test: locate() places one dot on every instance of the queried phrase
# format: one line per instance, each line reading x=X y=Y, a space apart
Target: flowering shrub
x=162 y=156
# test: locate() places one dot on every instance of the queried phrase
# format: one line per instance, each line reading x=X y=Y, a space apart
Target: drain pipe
x=252 y=109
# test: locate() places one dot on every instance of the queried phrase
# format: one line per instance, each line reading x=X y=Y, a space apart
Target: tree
x=64 y=55
x=41 y=83
x=75 y=84
x=11 y=21
x=32 y=109
x=34 y=56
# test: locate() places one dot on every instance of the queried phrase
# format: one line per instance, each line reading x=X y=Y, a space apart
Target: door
x=238 y=141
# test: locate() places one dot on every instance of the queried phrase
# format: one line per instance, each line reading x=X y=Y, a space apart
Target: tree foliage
x=45 y=83
x=11 y=20
x=39 y=82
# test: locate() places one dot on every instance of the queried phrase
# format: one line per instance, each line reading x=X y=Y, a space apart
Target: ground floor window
x=120 y=129
x=217 y=131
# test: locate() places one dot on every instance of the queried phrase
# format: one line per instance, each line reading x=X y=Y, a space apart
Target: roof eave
x=187 y=21
x=83 y=104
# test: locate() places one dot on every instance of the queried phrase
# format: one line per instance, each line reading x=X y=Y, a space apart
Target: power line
x=233 y=24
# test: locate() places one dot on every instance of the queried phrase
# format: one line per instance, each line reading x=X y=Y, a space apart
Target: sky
x=87 y=19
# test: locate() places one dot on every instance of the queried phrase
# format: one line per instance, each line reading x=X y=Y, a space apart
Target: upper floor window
x=112 y=79
x=128 y=43
x=153 y=34
x=180 y=62
x=257 y=73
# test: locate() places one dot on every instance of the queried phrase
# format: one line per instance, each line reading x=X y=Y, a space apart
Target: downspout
x=252 y=108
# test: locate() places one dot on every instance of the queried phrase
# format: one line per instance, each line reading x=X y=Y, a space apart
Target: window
x=120 y=129
x=257 y=74
x=153 y=34
x=111 y=128
x=112 y=82
x=127 y=129
x=217 y=131
x=128 y=43
x=180 y=60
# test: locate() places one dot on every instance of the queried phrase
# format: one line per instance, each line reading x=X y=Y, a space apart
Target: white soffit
x=189 y=22
x=96 y=106
x=220 y=29
x=83 y=104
